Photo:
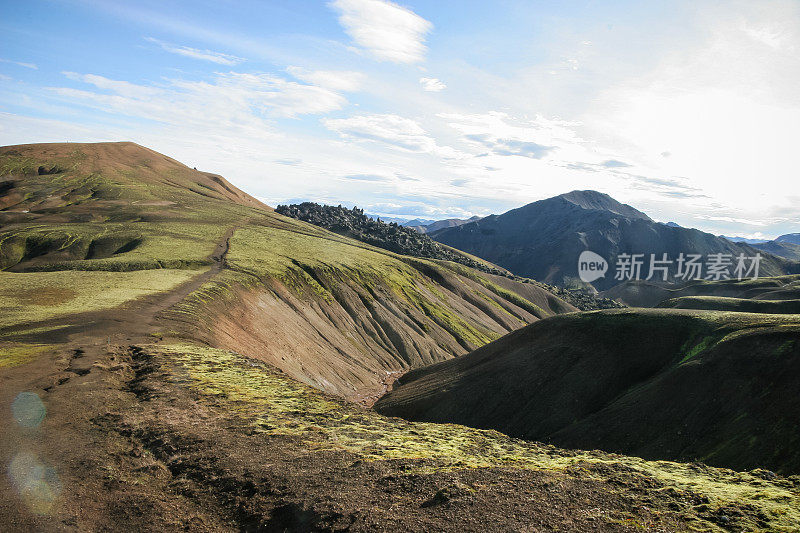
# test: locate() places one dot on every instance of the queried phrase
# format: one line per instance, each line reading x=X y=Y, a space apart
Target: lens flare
x=37 y=484
x=28 y=409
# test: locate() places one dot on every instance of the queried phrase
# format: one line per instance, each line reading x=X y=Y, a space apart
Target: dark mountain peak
x=543 y=240
x=599 y=201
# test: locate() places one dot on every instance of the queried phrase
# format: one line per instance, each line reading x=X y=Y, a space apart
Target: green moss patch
x=13 y=354
x=273 y=404
x=35 y=296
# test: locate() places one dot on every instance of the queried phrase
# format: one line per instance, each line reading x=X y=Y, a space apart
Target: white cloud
x=195 y=53
x=386 y=30
x=417 y=209
x=239 y=104
x=736 y=220
x=676 y=106
x=504 y=135
x=31 y=66
x=394 y=130
x=122 y=88
x=336 y=80
x=432 y=84
x=771 y=35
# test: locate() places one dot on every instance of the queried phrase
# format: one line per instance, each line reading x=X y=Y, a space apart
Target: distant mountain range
x=783 y=249
x=417 y=222
x=389 y=220
x=441 y=224
x=744 y=240
x=786 y=246
x=425 y=225
x=543 y=240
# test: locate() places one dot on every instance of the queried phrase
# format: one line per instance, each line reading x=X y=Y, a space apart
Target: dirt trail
x=138 y=316
x=68 y=372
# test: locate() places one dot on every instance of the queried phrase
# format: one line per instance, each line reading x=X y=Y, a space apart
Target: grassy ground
x=15 y=354
x=125 y=429
x=32 y=297
x=109 y=246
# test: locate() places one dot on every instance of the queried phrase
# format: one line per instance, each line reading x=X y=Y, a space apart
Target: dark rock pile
x=393 y=237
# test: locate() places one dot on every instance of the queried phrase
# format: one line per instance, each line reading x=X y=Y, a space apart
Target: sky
x=687 y=110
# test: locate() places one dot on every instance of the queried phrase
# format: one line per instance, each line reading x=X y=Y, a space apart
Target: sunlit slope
x=329 y=310
x=661 y=384
x=293 y=293
x=60 y=178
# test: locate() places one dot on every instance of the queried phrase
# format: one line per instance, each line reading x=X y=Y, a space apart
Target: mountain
x=596 y=201
x=786 y=246
x=441 y=224
x=676 y=385
x=793 y=238
x=743 y=239
x=543 y=240
x=418 y=222
x=42 y=179
x=785 y=249
x=673 y=225
x=389 y=220
x=407 y=241
x=424 y=225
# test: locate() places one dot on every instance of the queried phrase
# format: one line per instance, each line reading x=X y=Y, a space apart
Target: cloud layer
x=195 y=53
x=295 y=107
x=432 y=84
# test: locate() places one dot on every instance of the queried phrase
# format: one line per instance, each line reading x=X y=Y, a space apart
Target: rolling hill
x=677 y=385
x=544 y=239
x=648 y=294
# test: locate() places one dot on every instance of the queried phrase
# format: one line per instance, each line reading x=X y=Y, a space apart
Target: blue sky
x=687 y=110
